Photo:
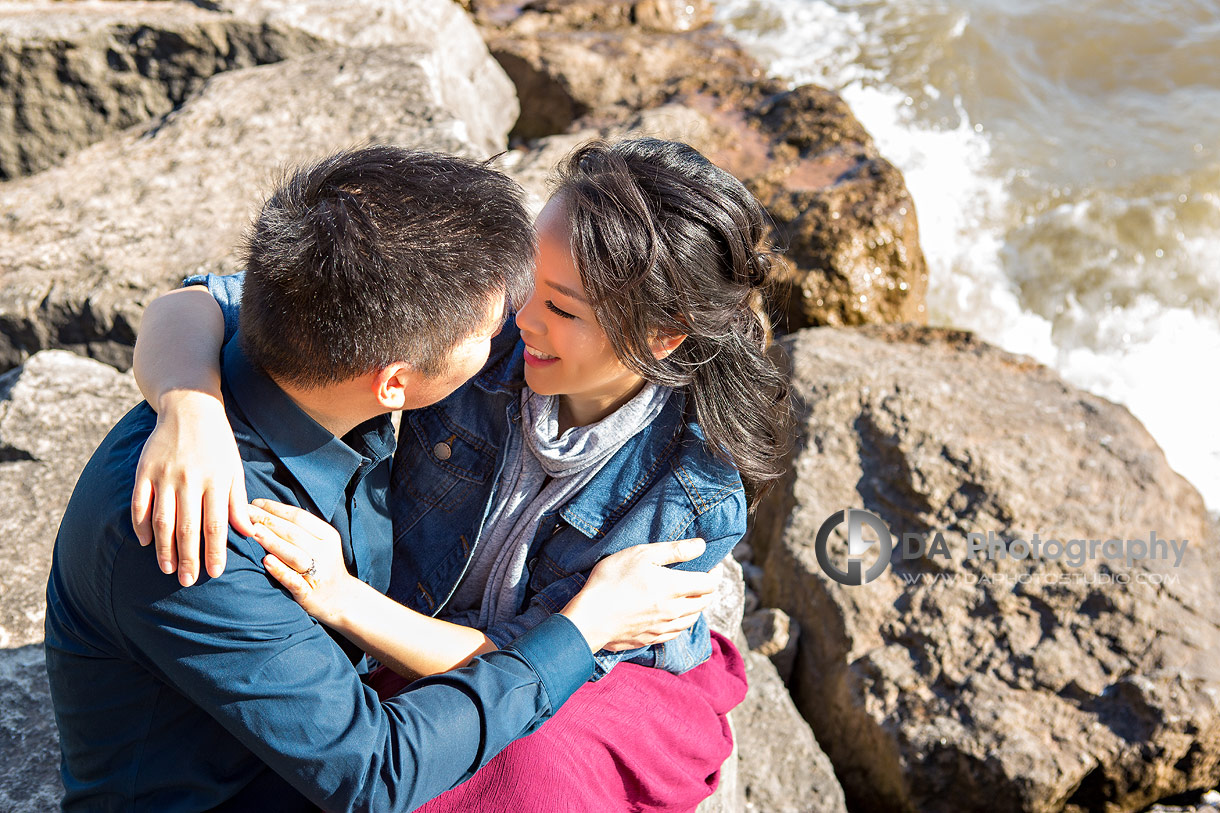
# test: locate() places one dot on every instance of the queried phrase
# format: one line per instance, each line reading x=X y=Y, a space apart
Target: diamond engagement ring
x=312 y=571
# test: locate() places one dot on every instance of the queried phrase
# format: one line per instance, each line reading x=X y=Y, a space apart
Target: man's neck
x=333 y=408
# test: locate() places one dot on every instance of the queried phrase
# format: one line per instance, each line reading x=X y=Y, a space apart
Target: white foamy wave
x=989 y=264
x=1159 y=378
x=807 y=42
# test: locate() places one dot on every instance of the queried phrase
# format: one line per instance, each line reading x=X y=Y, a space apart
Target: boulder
x=771 y=633
x=666 y=16
x=1003 y=680
x=843 y=217
x=85 y=245
x=564 y=76
x=54 y=411
x=73 y=73
x=782 y=768
x=29 y=742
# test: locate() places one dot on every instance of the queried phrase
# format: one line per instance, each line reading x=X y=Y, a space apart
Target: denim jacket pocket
x=439 y=465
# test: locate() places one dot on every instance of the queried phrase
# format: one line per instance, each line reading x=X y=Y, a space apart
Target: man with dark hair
x=380 y=255
x=376 y=281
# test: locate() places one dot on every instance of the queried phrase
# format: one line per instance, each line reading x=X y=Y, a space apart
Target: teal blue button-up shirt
x=227 y=694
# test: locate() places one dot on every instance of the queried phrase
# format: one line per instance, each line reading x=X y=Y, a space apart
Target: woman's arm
x=721 y=524
x=190 y=474
x=630 y=600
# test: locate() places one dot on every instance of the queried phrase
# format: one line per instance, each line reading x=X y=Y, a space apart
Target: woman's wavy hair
x=668 y=243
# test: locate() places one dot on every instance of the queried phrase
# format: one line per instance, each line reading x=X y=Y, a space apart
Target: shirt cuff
x=559 y=655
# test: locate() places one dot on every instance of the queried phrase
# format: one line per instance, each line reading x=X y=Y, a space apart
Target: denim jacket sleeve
x=226 y=290
x=721 y=527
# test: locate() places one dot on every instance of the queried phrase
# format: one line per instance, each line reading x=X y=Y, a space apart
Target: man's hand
x=190 y=478
x=632 y=600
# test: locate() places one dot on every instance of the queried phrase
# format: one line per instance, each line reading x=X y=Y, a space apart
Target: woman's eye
x=551 y=307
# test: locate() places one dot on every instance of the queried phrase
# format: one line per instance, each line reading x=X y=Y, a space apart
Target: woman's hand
x=190 y=477
x=306 y=556
x=632 y=599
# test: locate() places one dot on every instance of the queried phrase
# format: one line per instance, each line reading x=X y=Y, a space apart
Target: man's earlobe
x=663 y=345
x=392 y=384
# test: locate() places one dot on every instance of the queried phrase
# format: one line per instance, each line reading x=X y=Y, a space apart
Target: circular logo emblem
x=857 y=546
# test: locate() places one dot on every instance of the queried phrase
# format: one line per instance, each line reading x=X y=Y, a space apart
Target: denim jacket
x=662 y=485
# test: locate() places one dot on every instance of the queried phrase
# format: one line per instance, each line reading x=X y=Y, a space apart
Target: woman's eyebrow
x=566 y=291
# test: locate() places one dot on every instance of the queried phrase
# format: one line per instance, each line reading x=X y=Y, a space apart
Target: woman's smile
x=536 y=358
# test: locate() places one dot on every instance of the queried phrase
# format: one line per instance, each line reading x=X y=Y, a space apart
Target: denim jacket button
x=442 y=451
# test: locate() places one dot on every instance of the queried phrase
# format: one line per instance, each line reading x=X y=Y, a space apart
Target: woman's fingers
x=291 y=554
x=285 y=575
x=285 y=528
x=297 y=516
x=659 y=634
x=239 y=507
x=189 y=503
x=141 y=509
x=164 y=509
x=215 y=531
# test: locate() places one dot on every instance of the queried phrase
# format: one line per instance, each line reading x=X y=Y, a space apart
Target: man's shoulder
x=104 y=486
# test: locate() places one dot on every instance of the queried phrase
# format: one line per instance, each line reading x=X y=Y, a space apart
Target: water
x=1064 y=158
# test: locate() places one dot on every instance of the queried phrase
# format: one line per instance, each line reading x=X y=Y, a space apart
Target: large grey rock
x=724 y=616
x=73 y=73
x=29 y=743
x=53 y=413
x=956 y=684
x=85 y=245
x=782 y=767
x=776 y=765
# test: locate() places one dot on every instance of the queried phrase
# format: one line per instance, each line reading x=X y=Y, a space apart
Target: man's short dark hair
x=379 y=255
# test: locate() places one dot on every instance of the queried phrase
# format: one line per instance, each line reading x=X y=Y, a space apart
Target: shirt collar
x=322 y=463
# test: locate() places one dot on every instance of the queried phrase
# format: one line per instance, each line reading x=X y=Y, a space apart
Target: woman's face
x=566 y=351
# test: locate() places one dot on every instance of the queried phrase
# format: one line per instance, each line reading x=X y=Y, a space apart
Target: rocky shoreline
x=137 y=137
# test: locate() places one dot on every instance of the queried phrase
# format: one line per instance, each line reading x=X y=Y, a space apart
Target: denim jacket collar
x=322 y=463
x=594 y=509
x=505 y=372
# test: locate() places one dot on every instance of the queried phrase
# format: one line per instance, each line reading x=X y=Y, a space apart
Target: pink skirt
x=639 y=739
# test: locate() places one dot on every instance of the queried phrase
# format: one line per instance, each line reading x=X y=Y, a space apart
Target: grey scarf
x=494 y=586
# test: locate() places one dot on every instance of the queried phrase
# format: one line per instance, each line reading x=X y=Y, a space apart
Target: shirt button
x=442 y=451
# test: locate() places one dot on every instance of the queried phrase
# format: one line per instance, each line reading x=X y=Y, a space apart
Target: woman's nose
x=527 y=317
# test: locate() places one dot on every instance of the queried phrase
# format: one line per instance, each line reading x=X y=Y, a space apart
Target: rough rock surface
x=562 y=76
x=29 y=744
x=53 y=412
x=782 y=769
x=73 y=73
x=1004 y=684
x=724 y=616
x=84 y=246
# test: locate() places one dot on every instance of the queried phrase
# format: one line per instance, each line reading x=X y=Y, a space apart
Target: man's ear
x=391 y=385
x=665 y=343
